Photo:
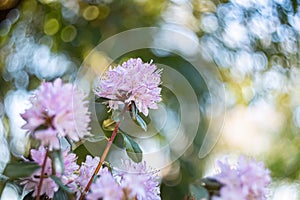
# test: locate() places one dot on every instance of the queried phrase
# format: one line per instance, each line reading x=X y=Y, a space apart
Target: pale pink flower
x=131 y=181
x=58 y=110
x=132 y=81
x=48 y=137
x=49 y=187
x=69 y=175
x=139 y=181
x=248 y=180
x=70 y=165
x=86 y=171
x=231 y=193
x=105 y=187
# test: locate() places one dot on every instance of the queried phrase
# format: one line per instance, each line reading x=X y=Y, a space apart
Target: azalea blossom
x=248 y=180
x=49 y=187
x=86 y=171
x=131 y=181
x=132 y=81
x=138 y=181
x=57 y=110
x=106 y=187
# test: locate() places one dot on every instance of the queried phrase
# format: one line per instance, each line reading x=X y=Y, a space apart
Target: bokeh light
x=90 y=13
x=51 y=26
x=68 y=33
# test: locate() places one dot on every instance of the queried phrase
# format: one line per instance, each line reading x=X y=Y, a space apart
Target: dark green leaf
x=198 y=192
x=141 y=122
x=60 y=184
x=133 y=149
x=137 y=117
x=133 y=110
x=101 y=100
x=62 y=195
x=146 y=119
x=20 y=170
x=119 y=140
x=81 y=151
x=211 y=184
x=30 y=197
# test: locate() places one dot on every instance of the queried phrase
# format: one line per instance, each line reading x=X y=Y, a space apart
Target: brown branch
x=104 y=154
x=42 y=176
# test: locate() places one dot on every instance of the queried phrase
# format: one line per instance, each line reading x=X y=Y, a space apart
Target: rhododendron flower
x=139 y=181
x=132 y=81
x=86 y=171
x=105 y=187
x=49 y=187
x=131 y=181
x=245 y=181
x=58 y=110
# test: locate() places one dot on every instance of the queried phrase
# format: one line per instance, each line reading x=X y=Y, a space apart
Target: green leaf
x=81 y=151
x=136 y=117
x=20 y=170
x=132 y=148
x=141 y=122
x=211 y=184
x=133 y=111
x=101 y=100
x=119 y=140
x=30 y=197
x=198 y=192
x=60 y=184
x=61 y=194
x=57 y=161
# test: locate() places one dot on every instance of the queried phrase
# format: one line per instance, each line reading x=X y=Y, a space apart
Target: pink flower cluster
x=58 y=110
x=86 y=171
x=248 y=180
x=138 y=180
x=133 y=181
x=106 y=187
x=49 y=187
x=132 y=81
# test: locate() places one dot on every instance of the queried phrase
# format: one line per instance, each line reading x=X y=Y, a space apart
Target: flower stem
x=42 y=176
x=104 y=154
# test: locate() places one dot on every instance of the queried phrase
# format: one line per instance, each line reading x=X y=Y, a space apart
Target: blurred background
x=254 y=44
